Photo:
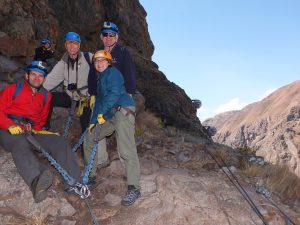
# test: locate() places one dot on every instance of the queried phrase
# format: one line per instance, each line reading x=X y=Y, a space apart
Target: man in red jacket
x=24 y=107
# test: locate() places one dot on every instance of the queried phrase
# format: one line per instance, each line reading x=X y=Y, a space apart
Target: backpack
x=19 y=87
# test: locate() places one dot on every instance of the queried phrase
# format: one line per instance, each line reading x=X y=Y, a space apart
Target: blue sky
x=226 y=53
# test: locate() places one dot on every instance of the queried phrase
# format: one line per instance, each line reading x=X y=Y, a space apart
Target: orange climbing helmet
x=102 y=54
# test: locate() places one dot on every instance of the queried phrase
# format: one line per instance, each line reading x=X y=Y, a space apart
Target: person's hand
x=100 y=119
x=75 y=95
x=15 y=129
x=44 y=132
x=91 y=127
x=92 y=101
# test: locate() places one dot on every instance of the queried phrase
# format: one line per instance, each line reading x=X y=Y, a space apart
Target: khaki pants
x=102 y=152
x=123 y=124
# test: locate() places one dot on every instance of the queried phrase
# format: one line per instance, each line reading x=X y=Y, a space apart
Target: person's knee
x=18 y=146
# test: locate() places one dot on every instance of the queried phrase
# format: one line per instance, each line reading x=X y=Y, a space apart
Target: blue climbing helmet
x=72 y=36
x=45 y=41
x=37 y=66
x=109 y=27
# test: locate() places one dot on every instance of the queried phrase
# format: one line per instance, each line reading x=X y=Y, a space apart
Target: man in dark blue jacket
x=121 y=58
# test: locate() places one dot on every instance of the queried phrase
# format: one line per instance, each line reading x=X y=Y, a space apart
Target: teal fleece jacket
x=111 y=93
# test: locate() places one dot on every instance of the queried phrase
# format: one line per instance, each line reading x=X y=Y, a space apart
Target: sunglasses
x=108 y=35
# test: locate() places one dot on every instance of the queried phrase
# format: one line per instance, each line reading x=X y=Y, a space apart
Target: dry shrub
x=146 y=121
x=223 y=156
x=277 y=179
x=281 y=180
x=252 y=170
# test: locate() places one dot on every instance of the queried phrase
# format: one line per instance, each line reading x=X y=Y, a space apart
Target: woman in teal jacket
x=114 y=110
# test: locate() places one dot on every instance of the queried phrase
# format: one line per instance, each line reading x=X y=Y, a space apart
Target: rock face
x=175 y=190
x=16 y=199
x=25 y=23
x=271 y=126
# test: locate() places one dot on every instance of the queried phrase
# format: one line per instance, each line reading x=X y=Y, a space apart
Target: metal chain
x=68 y=126
x=70 y=118
x=95 y=222
x=76 y=146
x=81 y=189
x=89 y=167
x=70 y=180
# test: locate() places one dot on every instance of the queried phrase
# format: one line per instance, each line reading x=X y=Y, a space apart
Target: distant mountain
x=272 y=126
x=218 y=120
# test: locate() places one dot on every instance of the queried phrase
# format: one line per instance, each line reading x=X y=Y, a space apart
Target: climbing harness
x=83 y=102
x=233 y=179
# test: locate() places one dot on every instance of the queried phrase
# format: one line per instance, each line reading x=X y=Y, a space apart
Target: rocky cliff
x=270 y=126
x=25 y=23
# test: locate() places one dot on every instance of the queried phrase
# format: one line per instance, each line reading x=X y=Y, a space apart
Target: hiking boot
x=131 y=196
x=40 y=185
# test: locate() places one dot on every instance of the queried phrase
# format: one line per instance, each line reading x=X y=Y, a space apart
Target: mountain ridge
x=270 y=126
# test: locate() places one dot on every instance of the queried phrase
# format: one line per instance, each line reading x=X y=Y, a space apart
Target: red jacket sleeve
x=5 y=103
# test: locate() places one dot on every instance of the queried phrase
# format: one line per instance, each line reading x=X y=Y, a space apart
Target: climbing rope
x=70 y=180
x=267 y=194
x=233 y=179
x=81 y=139
x=81 y=189
x=69 y=121
x=95 y=222
x=90 y=164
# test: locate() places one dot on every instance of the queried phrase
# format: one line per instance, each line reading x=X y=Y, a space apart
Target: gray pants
x=27 y=163
x=124 y=126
